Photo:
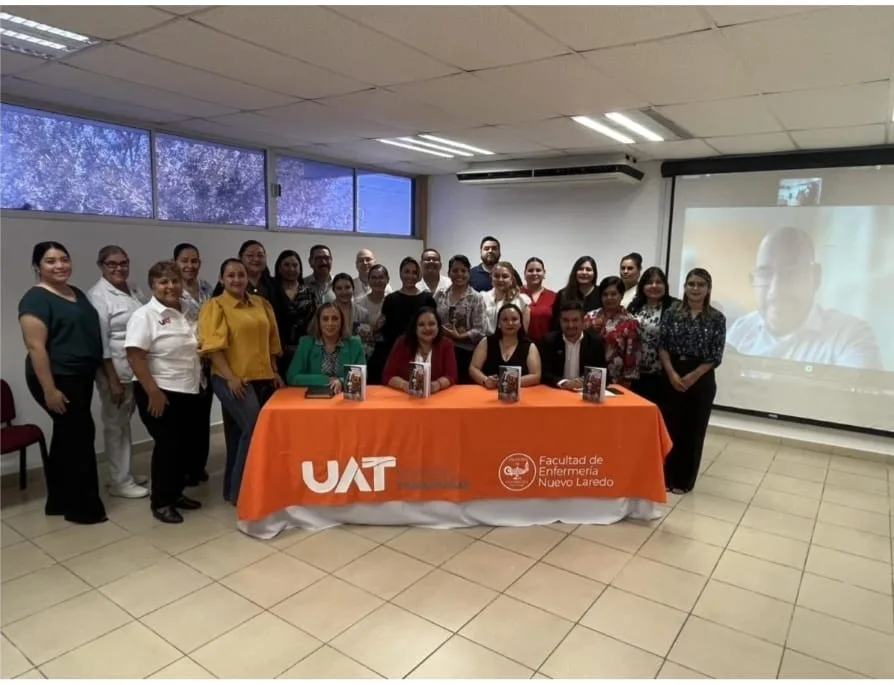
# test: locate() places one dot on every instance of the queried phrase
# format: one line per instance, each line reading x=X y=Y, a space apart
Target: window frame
x=271 y=180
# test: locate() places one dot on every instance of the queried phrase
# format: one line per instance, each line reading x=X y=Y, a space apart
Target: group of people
x=166 y=353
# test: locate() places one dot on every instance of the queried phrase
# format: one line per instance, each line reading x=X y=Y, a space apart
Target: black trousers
x=177 y=433
x=463 y=360
x=198 y=463
x=686 y=415
x=650 y=386
x=70 y=471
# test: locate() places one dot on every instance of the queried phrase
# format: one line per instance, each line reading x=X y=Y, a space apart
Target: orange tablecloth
x=459 y=445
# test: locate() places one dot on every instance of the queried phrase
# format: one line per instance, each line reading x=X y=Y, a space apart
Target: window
x=314 y=195
x=57 y=163
x=384 y=204
x=209 y=182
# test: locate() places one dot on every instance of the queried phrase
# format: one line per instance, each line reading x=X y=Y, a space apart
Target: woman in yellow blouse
x=238 y=332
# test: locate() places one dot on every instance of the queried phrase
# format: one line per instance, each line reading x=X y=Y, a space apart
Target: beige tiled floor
x=778 y=565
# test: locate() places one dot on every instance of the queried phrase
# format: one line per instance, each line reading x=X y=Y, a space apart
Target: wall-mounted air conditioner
x=610 y=170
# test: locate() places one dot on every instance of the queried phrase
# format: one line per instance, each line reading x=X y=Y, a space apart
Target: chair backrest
x=7 y=406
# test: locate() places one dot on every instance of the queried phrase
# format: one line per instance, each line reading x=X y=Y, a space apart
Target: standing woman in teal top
x=321 y=356
x=64 y=343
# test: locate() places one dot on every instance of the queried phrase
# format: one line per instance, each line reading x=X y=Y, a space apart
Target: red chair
x=18 y=438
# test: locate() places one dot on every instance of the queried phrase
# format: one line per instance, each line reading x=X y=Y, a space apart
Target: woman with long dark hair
x=423 y=342
x=631 y=268
x=293 y=303
x=690 y=346
x=581 y=287
x=64 y=343
x=509 y=346
x=542 y=299
x=398 y=310
x=259 y=281
x=237 y=331
x=461 y=313
x=652 y=299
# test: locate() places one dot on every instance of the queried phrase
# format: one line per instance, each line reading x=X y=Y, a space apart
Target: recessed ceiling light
x=407 y=146
x=33 y=37
x=455 y=144
x=441 y=148
x=631 y=125
x=603 y=129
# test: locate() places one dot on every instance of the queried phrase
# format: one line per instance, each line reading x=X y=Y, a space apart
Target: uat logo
x=517 y=472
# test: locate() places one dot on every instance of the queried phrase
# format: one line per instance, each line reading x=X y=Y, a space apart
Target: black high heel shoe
x=167 y=515
x=188 y=503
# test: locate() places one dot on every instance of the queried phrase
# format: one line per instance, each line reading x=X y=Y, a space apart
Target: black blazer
x=552 y=355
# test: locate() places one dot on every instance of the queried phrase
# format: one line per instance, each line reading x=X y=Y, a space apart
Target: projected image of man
x=789 y=323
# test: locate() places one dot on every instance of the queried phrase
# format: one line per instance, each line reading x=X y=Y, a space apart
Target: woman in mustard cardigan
x=321 y=356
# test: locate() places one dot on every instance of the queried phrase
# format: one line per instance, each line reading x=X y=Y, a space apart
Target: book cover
x=509 y=383
x=355 y=382
x=594 y=384
x=419 y=379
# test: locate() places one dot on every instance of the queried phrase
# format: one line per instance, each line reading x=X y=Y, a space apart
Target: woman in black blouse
x=398 y=310
x=581 y=287
x=690 y=346
x=293 y=304
x=64 y=343
x=509 y=346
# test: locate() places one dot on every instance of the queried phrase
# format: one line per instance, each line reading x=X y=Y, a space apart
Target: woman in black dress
x=509 y=346
x=581 y=287
x=294 y=305
x=690 y=346
x=64 y=343
x=398 y=311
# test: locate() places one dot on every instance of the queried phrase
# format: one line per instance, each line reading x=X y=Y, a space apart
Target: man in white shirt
x=564 y=355
x=788 y=323
x=432 y=280
x=364 y=261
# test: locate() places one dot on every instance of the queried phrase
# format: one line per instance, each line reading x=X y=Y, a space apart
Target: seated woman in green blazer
x=321 y=356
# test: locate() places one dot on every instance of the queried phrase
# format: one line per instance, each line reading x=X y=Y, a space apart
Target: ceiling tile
x=674 y=149
x=370 y=151
x=319 y=36
x=197 y=46
x=834 y=47
x=856 y=136
x=385 y=106
x=832 y=107
x=727 y=15
x=689 y=68
x=566 y=85
x=183 y=9
x=17 y=63
x=60 y=75
x=215 y=130
x=562 y=134
x=285 y=136
x=97 y=21
x=90 y=105
x=130 y=65
x=588 y=27
x=737 y=116
x=468 y=95
x=499 y=139
x=757 y=143
x=467 y=36
x=315 y=123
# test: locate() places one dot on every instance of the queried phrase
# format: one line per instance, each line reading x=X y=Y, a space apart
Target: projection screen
x=803 y=270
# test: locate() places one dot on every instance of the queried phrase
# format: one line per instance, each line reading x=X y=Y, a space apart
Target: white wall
x=555 y=222
x=146 y=243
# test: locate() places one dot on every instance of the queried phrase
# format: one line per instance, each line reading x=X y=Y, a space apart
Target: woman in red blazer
x=422 y=342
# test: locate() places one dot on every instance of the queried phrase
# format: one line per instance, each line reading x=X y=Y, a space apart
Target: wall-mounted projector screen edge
x=803 y=268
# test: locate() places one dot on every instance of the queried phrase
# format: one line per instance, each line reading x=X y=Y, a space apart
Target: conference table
x=458 y=458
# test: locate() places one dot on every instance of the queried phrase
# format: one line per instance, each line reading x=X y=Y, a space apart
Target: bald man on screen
x=789 y=323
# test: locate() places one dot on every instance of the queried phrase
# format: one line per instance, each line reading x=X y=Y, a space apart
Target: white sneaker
x=131 y=491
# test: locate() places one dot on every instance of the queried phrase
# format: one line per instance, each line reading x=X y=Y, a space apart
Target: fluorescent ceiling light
x=407 y=146
x=455 y=144
x=32 y=37
x=603 y=129
x=631 y=125
x=441 y=148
